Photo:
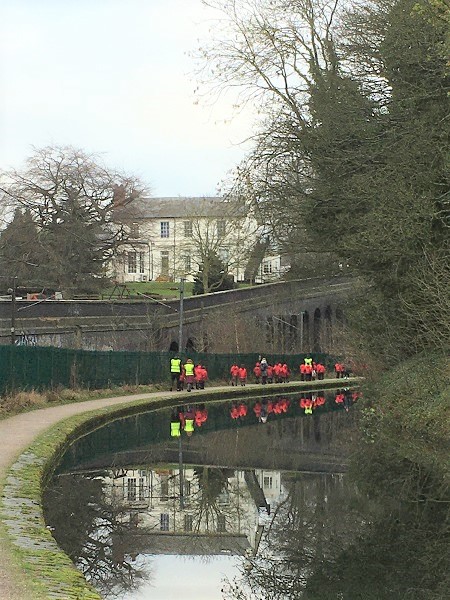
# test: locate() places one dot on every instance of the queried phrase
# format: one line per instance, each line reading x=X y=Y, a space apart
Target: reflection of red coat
x=201 y=415
x=234 y=412
x=339 y=398
x=257 y=408
x=284 y=403
x=243 y=410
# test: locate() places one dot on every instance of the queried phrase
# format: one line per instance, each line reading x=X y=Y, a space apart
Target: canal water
x=255 y=503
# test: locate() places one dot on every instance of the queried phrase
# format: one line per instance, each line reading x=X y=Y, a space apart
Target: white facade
x=170 y=237
x=153 y=498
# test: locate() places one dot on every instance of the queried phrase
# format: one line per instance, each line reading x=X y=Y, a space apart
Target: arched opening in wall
x=328 y=333
x=293 y=333
x=317 y=330
x=173 y=347
x=190 y=345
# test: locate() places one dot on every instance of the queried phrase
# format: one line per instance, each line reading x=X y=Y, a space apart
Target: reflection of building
x=219 y=512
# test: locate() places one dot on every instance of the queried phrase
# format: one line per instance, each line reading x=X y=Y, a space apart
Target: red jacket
x=242 y=373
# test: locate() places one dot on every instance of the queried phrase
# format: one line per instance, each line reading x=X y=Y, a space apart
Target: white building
x=170 y=238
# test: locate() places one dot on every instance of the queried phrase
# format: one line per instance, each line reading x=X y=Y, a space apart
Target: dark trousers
x=176 y=378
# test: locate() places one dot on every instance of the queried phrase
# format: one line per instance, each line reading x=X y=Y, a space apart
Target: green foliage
x=212 y=276
x=403 y=456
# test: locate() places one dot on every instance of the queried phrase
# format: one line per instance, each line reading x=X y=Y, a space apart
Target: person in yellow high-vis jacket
x=175 y=425
x=175 y=372
x=189 y=373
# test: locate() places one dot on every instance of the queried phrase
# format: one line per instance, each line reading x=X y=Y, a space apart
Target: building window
x=221 y=226
x=165 y=262
x=267 y=482
x=131 y=490
x=164 y=229
x=141 y=489
x=188 y=229
x=267 y=268
x=224 y=255
x=164 y=522
x=132 y=262
x=221 y=524
x=141 y=262
x=164 y=489
x=187 y=488
x=134 y=230
x=188 y=522
x=187 y=263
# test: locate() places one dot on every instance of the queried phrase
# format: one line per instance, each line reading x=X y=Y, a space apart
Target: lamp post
x=13 y=310
x=180 y=330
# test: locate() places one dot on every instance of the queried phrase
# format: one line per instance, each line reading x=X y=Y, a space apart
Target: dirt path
x=16 y=434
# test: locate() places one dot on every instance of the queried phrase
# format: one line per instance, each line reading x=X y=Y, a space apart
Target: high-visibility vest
x=189 y=369
x=175 y=429
x=309 y=361
x=175 y=365
x=189 y=425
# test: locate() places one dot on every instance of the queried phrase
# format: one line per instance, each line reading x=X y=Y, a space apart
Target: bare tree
x=70 y=196
x=226 y=241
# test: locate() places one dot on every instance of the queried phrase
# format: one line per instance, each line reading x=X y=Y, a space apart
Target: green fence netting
x=47 y=367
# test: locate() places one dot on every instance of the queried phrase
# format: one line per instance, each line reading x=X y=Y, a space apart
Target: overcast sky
x=115 y=77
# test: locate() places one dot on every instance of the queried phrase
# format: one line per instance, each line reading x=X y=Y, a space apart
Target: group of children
x=277 y=373
x=263 y=372
x=191 y=375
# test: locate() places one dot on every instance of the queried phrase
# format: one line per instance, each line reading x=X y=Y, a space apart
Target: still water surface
x=240 y=509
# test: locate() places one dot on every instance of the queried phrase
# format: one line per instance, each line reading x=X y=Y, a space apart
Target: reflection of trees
x=214 y=499
x=393 y=560
x=315 y=520
x=325 y=542
x=91 y=536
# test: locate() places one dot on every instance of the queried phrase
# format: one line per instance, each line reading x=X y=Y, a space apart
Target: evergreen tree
x=217 y=278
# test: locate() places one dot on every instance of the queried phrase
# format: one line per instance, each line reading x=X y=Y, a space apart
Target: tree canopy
x=63 y=233
x=351 y=154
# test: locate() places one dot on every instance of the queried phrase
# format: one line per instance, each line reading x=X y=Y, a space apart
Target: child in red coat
x=242 y=375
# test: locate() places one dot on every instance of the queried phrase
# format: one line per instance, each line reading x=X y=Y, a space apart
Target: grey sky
x=114 y=77
x=192 y=578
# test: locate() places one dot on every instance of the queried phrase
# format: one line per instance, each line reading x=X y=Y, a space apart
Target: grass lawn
x=165 y=289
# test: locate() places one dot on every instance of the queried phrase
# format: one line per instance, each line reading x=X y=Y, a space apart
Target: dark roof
x=151 y=542
x=147 y=207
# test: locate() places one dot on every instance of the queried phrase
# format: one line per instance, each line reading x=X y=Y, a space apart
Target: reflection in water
x=236 y=507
